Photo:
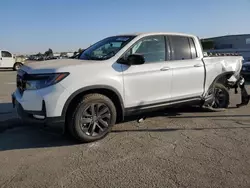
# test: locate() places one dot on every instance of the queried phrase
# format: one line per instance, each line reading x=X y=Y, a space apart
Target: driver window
x=152 y=48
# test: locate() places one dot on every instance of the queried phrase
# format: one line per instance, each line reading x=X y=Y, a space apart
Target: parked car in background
x=49 y=57
x=9 y=61
x=77 y=55
x=246 y=70
x=121 y=76
x=41 y=57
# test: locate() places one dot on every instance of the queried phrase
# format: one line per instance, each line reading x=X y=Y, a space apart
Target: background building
x=229 y=44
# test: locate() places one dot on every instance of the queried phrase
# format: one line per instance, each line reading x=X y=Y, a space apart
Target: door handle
x=198 y=65
x=165 y=68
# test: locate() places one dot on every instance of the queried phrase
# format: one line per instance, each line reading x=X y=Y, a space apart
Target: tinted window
x=152 y=48
x=6 y=54
x=180 y=47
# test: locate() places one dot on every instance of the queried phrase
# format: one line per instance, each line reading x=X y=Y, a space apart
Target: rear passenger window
x=182 y=48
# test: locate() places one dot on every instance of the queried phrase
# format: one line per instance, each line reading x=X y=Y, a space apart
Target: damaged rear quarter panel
x=216 y=66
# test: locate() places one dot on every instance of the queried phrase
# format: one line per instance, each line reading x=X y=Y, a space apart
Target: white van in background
x=8 y=61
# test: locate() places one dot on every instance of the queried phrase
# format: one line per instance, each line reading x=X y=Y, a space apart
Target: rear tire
x=17 y=66
x=92 y=119
x=221 y=98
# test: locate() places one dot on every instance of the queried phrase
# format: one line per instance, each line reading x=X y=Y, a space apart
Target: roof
x=155 y=33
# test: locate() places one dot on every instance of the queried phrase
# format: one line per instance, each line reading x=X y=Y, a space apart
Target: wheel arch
x=18 y=63
x=108 y=91
x=221 y=78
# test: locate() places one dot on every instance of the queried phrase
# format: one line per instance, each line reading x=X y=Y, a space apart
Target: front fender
x=88 y=88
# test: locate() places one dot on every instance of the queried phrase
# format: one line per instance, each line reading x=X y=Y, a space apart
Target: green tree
x=49 y=52
x=79 y=50
x=39 y=54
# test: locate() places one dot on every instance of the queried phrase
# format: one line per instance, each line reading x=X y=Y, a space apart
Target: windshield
x=106 y=48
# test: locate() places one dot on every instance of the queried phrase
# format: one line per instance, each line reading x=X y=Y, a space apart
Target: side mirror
x=135 y=59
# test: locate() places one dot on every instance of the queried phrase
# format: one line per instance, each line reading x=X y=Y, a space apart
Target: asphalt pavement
x=175 y=148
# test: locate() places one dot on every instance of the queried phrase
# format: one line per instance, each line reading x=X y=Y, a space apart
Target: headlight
x=39 y=81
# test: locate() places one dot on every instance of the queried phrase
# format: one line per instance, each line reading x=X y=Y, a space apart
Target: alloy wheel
x=219 y=98
x=95 y=119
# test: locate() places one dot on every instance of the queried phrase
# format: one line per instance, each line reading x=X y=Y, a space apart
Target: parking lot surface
x=175 y=148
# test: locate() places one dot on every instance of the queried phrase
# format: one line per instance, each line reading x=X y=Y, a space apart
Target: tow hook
x=244 y=95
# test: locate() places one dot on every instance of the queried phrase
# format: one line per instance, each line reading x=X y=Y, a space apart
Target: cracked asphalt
x=175 y=148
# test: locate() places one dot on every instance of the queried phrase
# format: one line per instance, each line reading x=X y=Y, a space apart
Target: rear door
x=188 y=69
x=7 y=59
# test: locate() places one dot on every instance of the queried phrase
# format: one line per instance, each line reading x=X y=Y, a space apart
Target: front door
x=7 y=61
x=150 y=83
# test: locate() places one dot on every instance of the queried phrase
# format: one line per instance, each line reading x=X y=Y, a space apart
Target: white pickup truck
x=121 y=76
x=8 y=61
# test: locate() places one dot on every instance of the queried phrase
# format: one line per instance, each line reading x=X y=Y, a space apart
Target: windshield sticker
x=122 y=39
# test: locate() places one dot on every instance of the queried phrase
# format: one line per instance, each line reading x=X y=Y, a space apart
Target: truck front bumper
x=38 y=118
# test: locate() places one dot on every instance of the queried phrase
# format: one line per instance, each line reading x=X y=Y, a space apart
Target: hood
x=51 y=66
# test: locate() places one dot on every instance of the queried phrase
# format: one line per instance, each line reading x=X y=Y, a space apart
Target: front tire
x=17 y=66
x=93 y=118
